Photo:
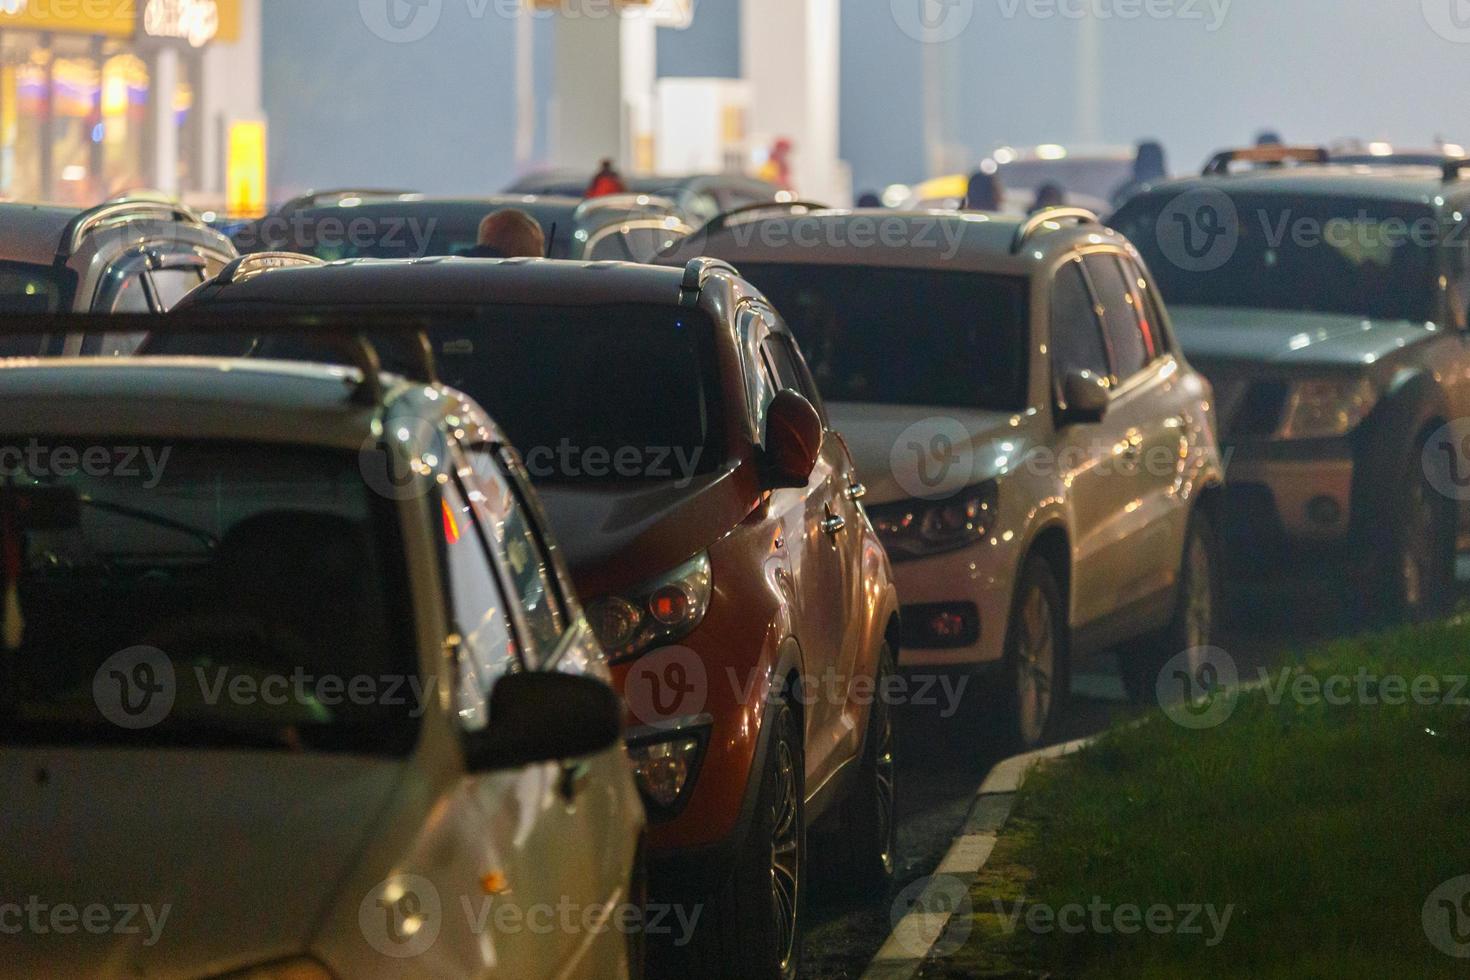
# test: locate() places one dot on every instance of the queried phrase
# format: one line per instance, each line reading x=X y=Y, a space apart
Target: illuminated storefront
x=103 y=97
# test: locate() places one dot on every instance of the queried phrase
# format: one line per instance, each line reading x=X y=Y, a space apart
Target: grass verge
x=1310 y=834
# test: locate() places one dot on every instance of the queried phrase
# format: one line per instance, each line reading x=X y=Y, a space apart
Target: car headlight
x=300 y=968
x=920 y=528
x=664 y=769
x=660 y=611
x=1326 y=407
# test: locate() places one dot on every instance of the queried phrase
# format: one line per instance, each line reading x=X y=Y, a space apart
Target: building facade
x=100 y=98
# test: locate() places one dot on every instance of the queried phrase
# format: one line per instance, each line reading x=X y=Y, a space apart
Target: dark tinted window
x=32 y=289
x=1120 y=315
x=1347 y=255
x=398 y=233
x=905 y=336
x=1076 y=336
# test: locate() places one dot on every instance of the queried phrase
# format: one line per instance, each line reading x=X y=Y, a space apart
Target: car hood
x=619 y=535
x=236 y=854
x=882 y=438
x=1215 y=334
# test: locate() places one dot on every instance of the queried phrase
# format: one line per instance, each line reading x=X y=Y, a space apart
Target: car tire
x=753 y=923
x=1414 y=578
x=1036 y=680
x=637 y=939
x=1192 y=626
x=861 y=850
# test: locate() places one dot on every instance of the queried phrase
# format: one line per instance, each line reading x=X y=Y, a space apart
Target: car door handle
x=575 y=778
x=834 y=524
x=855 y=491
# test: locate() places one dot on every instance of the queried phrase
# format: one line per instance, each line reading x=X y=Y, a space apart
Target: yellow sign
x=119 y=18
x=245 y=171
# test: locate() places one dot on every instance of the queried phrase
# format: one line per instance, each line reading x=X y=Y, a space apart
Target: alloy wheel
x=786 y=854
x=1035 y=666
x=884 y=774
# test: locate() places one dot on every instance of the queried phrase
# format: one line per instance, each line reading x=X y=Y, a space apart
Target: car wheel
x=861 y=850
x=1037 y=681
x=637 y=939
x=1192 y=627
x=755 y=919
x=1416 y=573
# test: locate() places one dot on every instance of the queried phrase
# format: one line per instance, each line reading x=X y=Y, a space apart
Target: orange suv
x=712 y=522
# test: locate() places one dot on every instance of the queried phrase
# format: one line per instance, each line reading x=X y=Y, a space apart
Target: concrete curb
x=914 y=935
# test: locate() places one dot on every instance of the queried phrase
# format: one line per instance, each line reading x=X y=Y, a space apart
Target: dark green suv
x=1327 y=304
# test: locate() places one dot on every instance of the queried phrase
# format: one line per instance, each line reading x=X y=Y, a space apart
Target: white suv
x=1040 y=459
x=295 y=684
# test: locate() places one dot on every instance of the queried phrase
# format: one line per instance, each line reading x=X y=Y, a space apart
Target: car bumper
x=955 y=607
x=1287 y=500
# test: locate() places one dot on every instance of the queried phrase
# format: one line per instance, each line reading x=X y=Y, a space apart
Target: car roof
x=449 y=281
x=969 y=241
x=1411 y=184
x=32 y=233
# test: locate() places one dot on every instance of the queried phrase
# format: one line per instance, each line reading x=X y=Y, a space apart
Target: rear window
x=352 y=233
x=905 y=336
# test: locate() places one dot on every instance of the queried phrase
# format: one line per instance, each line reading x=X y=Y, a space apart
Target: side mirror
x=545 y=717
x=1084 y=399
x=793 y=440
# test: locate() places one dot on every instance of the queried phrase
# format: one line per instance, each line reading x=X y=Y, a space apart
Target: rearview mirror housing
x=793 y=441
x=541 y=717
x=1085 y=398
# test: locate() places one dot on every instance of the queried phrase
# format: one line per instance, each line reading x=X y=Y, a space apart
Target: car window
x=172 y=285
x=786 y=364
x=634 y=245
x=760 y=386
x=1076 y=336
x=1150 y=309
x=521 y=552
x=488 y=647
x=131 y=296
x=1121 y=324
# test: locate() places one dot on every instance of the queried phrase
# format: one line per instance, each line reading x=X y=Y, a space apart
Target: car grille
x=1246 y=406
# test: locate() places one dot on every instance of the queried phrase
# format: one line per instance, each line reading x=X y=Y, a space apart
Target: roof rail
x=126 y=209
x=1271 y=156
x=1454 y=170
x=631 y=199
x=312 y=198
x=697 y=273
x=719 y=221
x=1038 y=221
x=249 y=266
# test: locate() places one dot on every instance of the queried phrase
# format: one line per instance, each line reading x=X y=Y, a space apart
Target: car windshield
x=1322 y=254
x=1098 y=177
x=905 y=336
x=388 y=233
x=202 y=595
x=622 y=392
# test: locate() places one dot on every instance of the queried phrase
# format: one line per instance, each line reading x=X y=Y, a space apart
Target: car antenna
x=550 y=240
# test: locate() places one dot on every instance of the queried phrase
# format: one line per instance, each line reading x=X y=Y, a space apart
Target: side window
x=489 y=648
x=790 y=370
x=1076 y=336
x=172 y=285
x=1149 y=311
x=1121 y=321
x=759 y=386
x=130 y=296
x=521 y=553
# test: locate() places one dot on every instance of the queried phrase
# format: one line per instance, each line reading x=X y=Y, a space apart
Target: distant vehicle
x=617 y=227
x=306 y=688
x=1088 y=176
x=1027 y=429
x=1331 y=316
x=125 y=256
x=712 y=522
x=1382 y=154
x=699 y=197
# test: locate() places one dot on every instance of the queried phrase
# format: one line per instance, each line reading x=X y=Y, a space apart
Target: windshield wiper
x=210 y=541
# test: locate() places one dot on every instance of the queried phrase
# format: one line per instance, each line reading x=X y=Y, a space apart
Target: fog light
x=663 y=769
x=1324 y=511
